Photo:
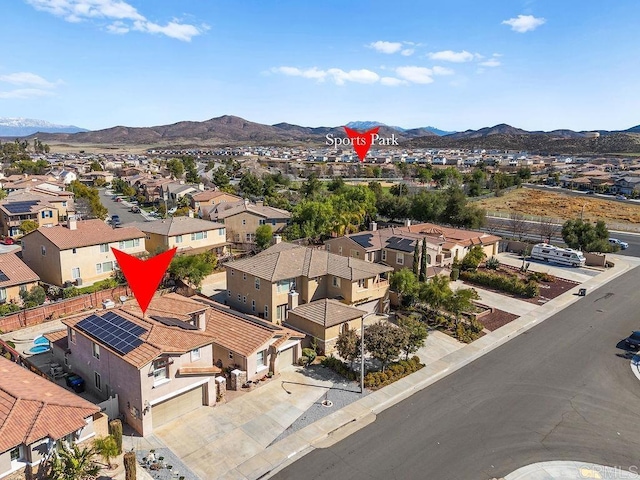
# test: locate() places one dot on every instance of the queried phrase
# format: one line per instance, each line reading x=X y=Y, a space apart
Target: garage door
x=285 y=358
x=369 y=307
x=177 y=406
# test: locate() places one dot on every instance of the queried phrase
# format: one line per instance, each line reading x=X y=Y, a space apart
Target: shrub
x=310 y=353
x=493 y=263
x=455 y=274
x=531 y=289
x=507 y=283
x=70 y=292
x=303 y=361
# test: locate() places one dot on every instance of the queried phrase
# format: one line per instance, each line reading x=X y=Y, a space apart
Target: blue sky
x=534 y=64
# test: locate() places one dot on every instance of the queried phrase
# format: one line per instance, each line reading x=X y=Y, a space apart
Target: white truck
x=563 y=256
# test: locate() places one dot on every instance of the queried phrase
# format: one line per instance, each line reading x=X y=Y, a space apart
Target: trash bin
x=582 y=292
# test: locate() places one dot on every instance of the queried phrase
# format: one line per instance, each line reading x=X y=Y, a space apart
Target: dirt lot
x=558 y=205
x=496 y=319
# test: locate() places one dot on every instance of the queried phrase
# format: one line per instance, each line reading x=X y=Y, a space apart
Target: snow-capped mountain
x=21 y=127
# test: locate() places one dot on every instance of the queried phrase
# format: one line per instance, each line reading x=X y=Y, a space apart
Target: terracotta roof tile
x=177 y=226
x=88 y=232
x=16 y=271
x=327 y=312
x=32 y=408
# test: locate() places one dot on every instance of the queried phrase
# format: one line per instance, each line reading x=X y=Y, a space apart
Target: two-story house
x=78 y=252
x=15 y=278
x=14 y=211
x=209 y=198
x=189 y=235
x=260 y=285
x=36 y=415
x=243 y=218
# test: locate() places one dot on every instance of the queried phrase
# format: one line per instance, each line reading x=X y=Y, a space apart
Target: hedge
x=507 y=283
x=394 y=372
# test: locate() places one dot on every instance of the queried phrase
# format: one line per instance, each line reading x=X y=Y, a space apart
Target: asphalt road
x=117 y=208
x=561 y=391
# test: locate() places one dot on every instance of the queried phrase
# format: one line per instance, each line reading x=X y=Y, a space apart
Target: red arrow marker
x=362 y=141
x=144 y=276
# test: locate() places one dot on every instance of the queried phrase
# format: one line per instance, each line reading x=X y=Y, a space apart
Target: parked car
x=590 y=192
x=633 y=340
x=621 y=197
x=8 y=241
x=135 y=209
x=620 y=243
x=115 y=220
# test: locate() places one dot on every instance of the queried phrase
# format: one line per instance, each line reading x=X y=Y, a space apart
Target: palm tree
x=106 y=447
x=74 y=463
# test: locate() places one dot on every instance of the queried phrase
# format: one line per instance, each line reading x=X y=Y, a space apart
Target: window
x=16 y=454
x=43 y=250
x=3 y=294
x=104 y=248
x=64 y=204
x=253 y=305
x=285 y=286
x=96 y=350
x=257 y=283
x=198 y=235
x=384 y=255
x=97 y=380
x=339 y=250
x=23 y=289
x=104 y=267
x=273 y=221
x=160 y=368
x=261 y=358
x=250 y=237
x=47 y=214
x=261 y=221
x=221 y=232
x=195 y=354
x=129 y=243
x=400 y=258
x=361 y=283
x=355 y=253
x=178 y=238
x=71 y=335
x=336 y=281
x=266 y=311
x=75 y=273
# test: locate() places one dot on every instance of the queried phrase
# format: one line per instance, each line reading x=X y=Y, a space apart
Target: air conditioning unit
x=78 y=282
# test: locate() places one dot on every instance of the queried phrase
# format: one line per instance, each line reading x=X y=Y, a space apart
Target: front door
x=281 y=312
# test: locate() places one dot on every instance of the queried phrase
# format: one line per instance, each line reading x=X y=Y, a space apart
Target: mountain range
x=22 y=127
x=229 y=130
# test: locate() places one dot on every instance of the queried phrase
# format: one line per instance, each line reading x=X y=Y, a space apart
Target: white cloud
x=442 y=71
x=386 y=47
x=524 y=23
x=25 y=93
x=118 y=11
x=392 y=81
x=415 y=74
x=492 y=62
x=451 y=56
x=26 y=78
x=296 y=72
x=339 y=76
x=407 y=52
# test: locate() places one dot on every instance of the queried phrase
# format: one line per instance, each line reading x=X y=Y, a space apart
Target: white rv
x=563 y=256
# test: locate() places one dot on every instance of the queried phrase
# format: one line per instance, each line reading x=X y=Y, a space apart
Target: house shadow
x=626 y=351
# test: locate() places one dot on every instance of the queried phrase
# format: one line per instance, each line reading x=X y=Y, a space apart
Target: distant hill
x=22 y=127
x=412 y=132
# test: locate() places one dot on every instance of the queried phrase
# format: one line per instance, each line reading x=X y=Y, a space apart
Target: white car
x=620 y=243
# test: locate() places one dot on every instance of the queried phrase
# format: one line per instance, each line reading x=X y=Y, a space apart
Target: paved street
x=561 y=391
x=117 y=208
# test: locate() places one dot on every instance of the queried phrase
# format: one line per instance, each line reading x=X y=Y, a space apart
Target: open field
x=559 y=205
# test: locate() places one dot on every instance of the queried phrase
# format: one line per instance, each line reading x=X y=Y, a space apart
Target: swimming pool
x=39 y=349
x=40 y=341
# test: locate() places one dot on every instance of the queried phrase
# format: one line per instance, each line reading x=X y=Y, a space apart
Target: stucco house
x=23 y=206
x=209 y=198
x=243 y=218
x=78 y=252
x=35 y=416
x=260 y=285
x=189 y=235
x=15 y=277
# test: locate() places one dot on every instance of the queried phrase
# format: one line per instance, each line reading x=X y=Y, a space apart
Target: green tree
x=192 y=269
x=436 y=292
x=3 y=194
x=92 y=197
x=34 y=297
x=461 y=301
x=417 y=333
x=251 y=185
x=27 y=226
x=311 y=187
x=264 y=235
x=473 y=258
x=416 y=259
x=348 y=345
x=107 y=448
x=220 y=178
x=95 y=166
x=336 y=185
x=384 y=341
x=191 y=169
x=74 y=463
x=175 y=167
x=405 y=283
x=399 y=189
x=423 y=262
x=311 y=219
x=585 y=236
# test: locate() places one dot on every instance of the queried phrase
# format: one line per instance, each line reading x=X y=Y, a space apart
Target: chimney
x=246 y=201
x=293 y=300
x=277 y=239
x=373 y=226
x=259 y=203
x=190 y=213
x=72 y=224
x=407 y=222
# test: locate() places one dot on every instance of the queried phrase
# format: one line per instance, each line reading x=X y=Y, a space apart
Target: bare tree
x=548 y=229
x=518 y=225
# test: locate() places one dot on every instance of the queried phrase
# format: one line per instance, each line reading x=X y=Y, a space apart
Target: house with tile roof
x=35 y=415
x=260 y=285
x=163 y=364
x=23 y=206
x=78 y=252
x=243 y=218
x=15 y=277
x=209 y=198
x=189 y=235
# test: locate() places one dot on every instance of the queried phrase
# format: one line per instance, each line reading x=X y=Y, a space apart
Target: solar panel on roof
x=174 y=322
x=3 y=277
x=363 y=240
x=20 y=207
x=402 y=244
x=114 y=331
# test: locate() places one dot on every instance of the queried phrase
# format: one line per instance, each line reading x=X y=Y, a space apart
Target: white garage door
x=285 y=358
x=369 y=307
x=177 y=406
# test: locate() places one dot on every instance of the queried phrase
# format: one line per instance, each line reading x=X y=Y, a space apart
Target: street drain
x=327 y=403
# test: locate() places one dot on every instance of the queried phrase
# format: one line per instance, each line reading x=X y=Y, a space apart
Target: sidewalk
x=571 y=471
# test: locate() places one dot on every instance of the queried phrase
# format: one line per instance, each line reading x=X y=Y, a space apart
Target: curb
x=298 y=444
